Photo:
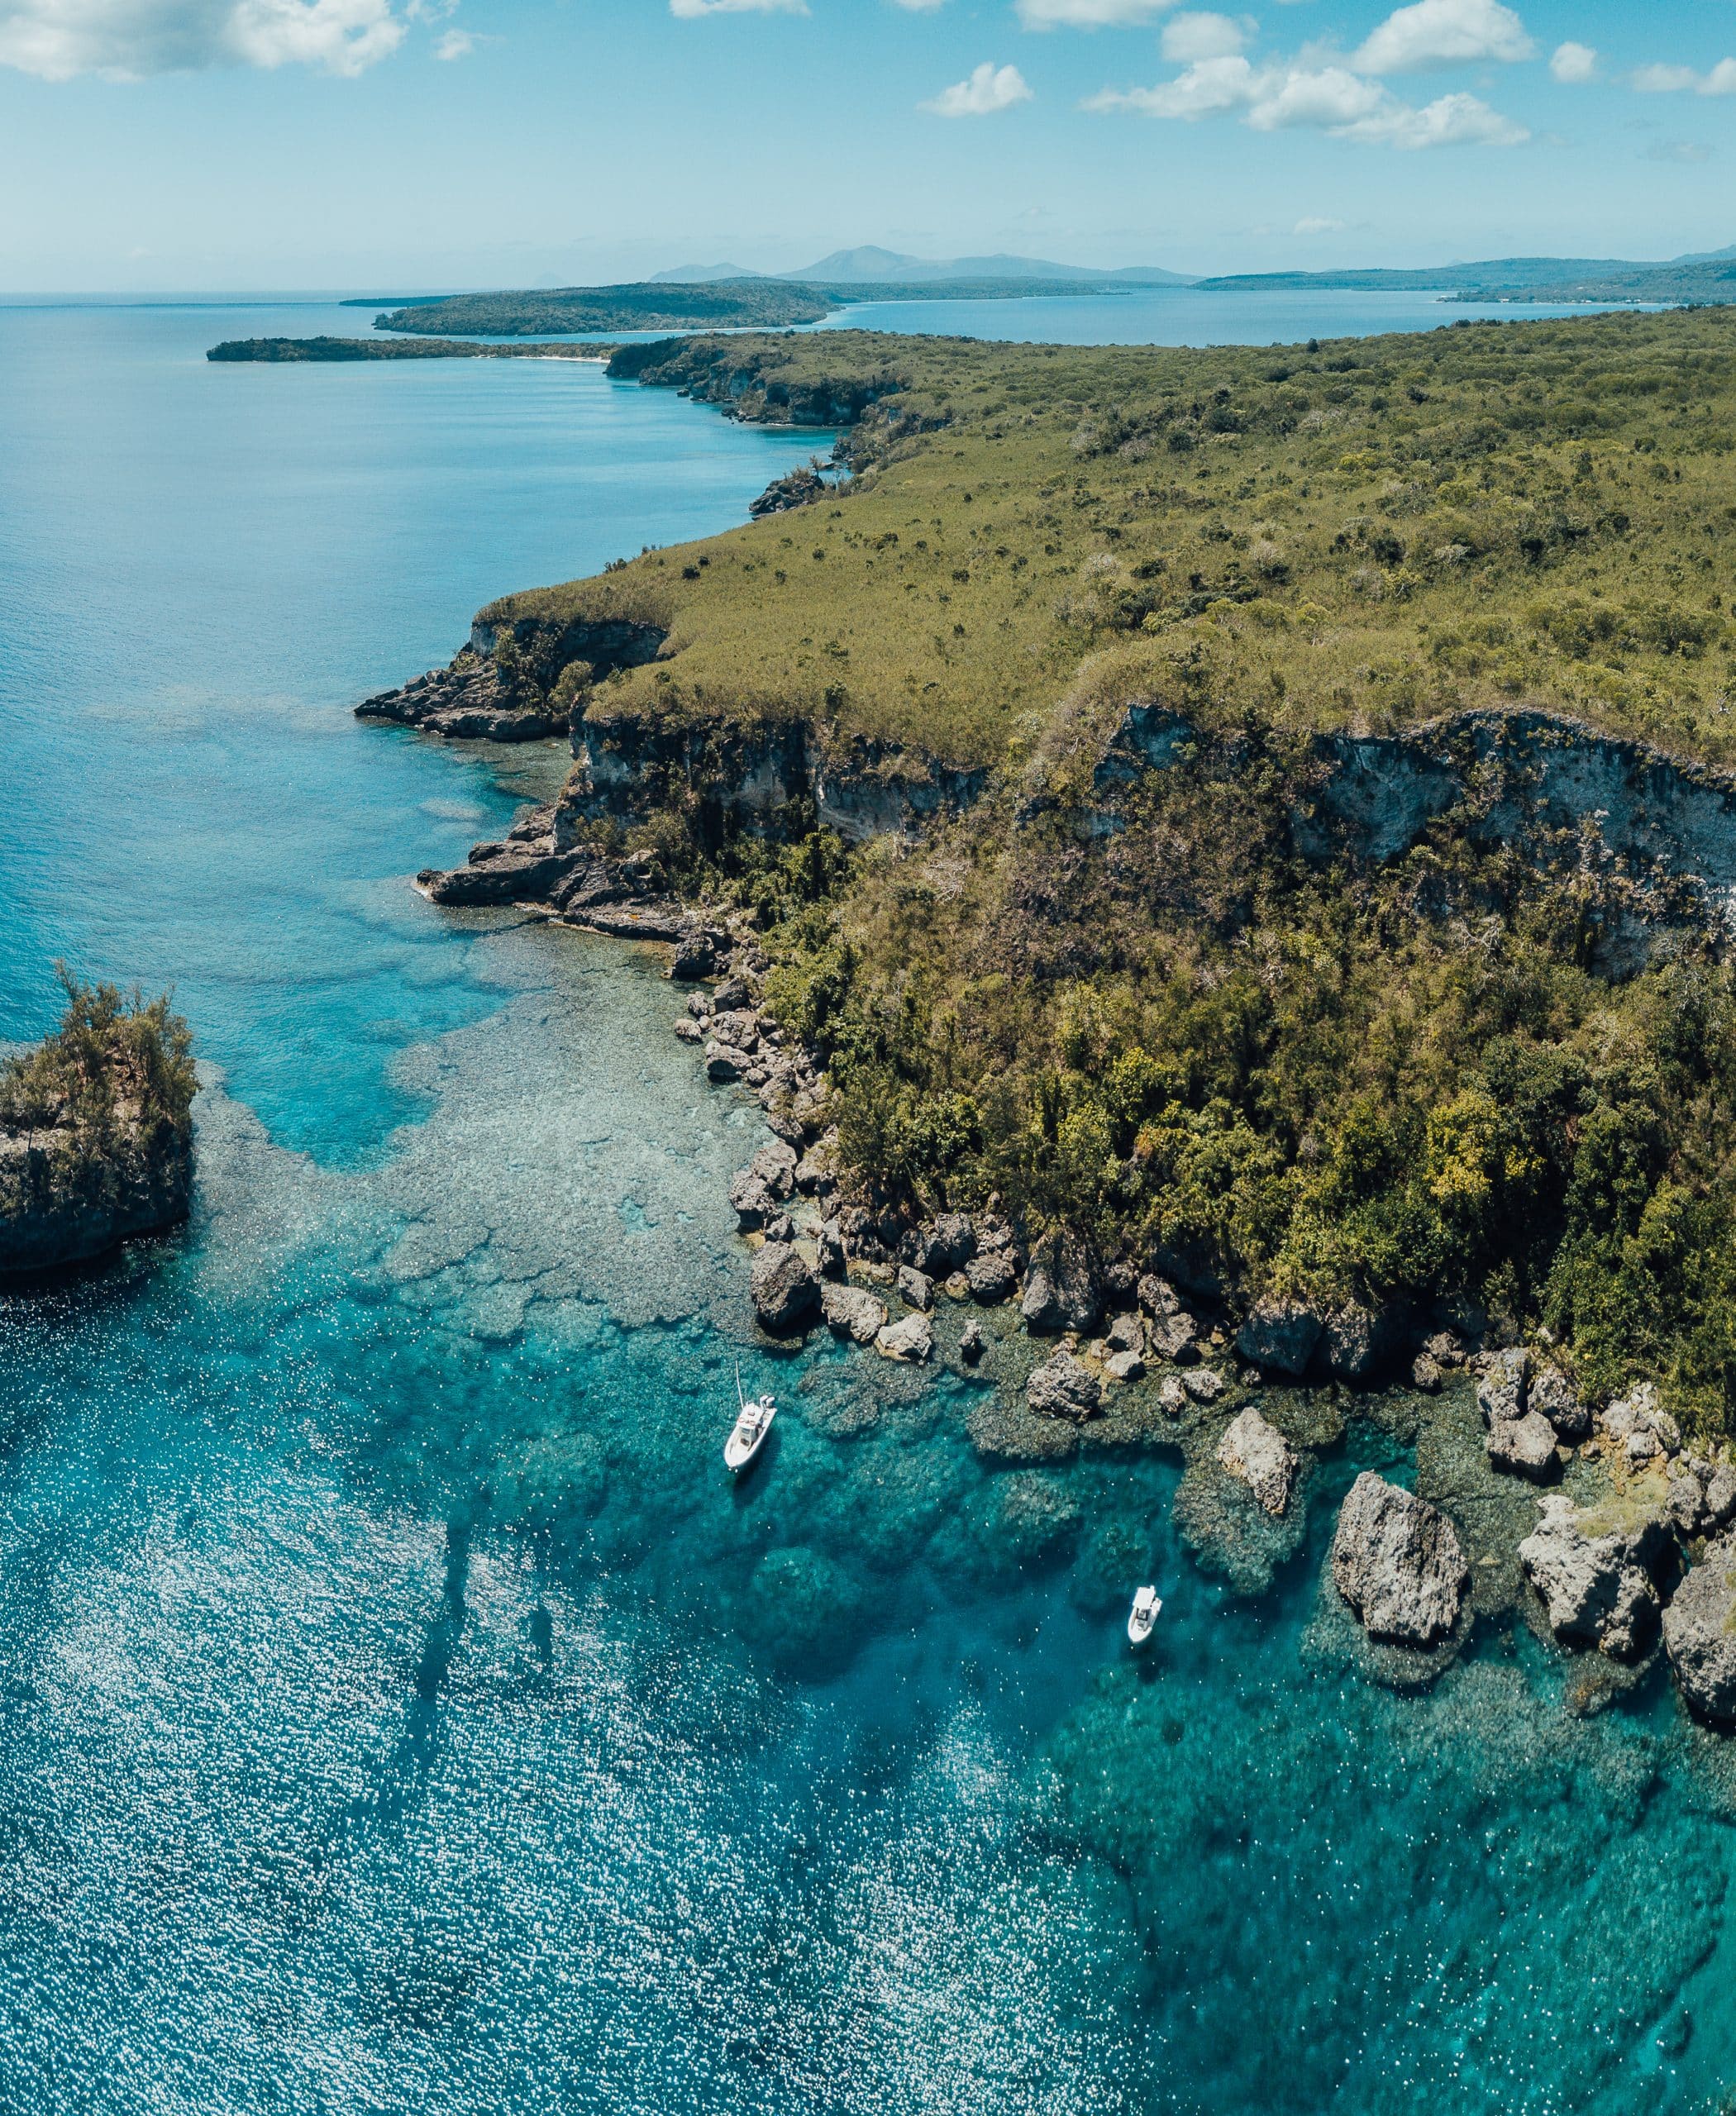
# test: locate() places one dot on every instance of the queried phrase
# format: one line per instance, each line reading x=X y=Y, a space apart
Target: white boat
x=1143 y=1614
x=747 y=1436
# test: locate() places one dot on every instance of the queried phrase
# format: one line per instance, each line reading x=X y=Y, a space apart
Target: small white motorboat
x=747 y=1436
x=1143 y=1614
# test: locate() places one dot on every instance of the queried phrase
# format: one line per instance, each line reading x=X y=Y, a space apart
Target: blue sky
x=395 y=144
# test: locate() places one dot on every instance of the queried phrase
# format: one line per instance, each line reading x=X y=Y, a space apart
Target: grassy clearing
x=1364 y=534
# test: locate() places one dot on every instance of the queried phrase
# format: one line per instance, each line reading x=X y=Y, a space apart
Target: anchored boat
x=747 y=1436
x=1143 y=1614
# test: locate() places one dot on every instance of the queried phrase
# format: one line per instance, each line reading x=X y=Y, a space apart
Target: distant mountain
x=699 y=276
x=847 y=267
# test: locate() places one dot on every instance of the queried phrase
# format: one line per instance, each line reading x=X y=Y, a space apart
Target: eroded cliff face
x=515 y=681
x=627 y=766
x=67 y=1196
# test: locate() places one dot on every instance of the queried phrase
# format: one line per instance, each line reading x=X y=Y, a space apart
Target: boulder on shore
x=1061 y=1388
x=1280 y=1336
x=784 y=1289
x=1397 y=1562
x=911 y=1339
x=1525 y=1445
x=1700 y=1634
x=991 y=1277
x=1595 y=1578
x=1061 y=1290
x=1258 y=1454
x=853 y=1312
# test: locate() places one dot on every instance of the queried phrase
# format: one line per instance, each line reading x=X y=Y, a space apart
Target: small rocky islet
x=96 y=1133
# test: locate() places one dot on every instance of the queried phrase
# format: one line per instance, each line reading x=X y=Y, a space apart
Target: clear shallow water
x=1179 y=316
x=396 y=1707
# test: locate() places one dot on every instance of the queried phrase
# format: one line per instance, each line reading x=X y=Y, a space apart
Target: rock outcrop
x=1594 y=1576
x=911 y=1339
x=1397 y=1562
x=1700 y=1634
x=1258 y=1454
x=1061 y=1388
x=67 y=1197
x=785 y=1290
x=1061 y=1289
x=1280 y=1336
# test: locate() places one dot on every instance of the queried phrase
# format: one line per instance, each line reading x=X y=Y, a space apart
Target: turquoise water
x=398 y=1710
x=1181 y=316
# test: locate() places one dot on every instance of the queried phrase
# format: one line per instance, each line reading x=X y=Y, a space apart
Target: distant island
x=1709 y=277
x=271 y=351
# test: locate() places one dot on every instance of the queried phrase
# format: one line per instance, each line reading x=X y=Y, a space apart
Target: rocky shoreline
x=1628 y=1548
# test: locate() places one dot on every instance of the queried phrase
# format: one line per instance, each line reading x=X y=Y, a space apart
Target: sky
x=383 y=146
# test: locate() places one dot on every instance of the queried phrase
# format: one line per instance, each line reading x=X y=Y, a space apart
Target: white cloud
x=1188 y=37
x=691 y=11
x=1317 y=224
x=456 y=43
x=990 y=87
x=1089 y=14
x=128 y=39
x=1455 y=121
x=1683 y=80
x=1333 y=99
x=919 y=7
x=1574 y=63
x=1443 y=33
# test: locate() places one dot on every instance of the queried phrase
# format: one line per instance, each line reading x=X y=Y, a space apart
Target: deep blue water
x=398 y=1710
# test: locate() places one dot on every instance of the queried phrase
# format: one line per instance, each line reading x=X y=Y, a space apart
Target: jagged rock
x=798 y=487
x=780 y=1227
x=1685 y=1506
x=1172 y=1397
x=774 y=1164
x=1596 y=1586
x=1397 y=1562
x=723 y=1063
x=689 y=1030
x=915 y=1287
x=853 y=1312
x=972 y=1344
x=1526 y=1445
x=1356 y=1343
x=1280 y=1336
x=956 y=1287
x=1126 y=1333
x=1700 y=1634
x=1640 y=1426
x=1205 y=1384
x=830 y=1243
x=1260 y=1455
x=752 y=1203
x=1173 y=1338
x=1125 y=1366
x=1501 y=1389
x=784 y=1289
x=498 y=873
x=1551 y=1393
x=730 y=996
x=1444 y=1349
x=1425 y=1374
x=1721 y=1495
x=1157 y=1296
x=990 y=1277
x=1061 y=1388
x=912 y=1340
x=693 y=958
x=1060 y=1286
x=738 y=1026
x=816 y=1169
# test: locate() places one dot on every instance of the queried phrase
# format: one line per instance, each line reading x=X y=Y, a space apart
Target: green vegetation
x=273 y=350
x=1698 y=279
x=114 y=1062
x=1368 y=533
x=1152 y=1009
